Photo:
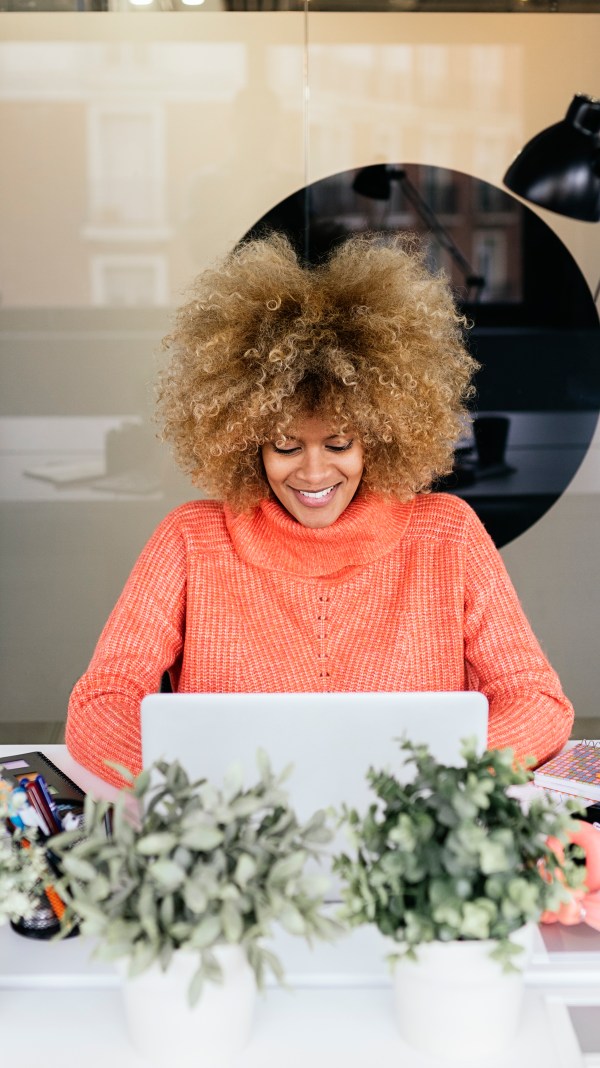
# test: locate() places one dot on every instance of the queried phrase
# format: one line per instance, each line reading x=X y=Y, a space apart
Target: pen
x=34 y=800
x=37 y=800
x=108 y=821
x=41 y=782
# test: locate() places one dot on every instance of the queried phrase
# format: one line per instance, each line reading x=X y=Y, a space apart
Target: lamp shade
x=559 y=168
x=373 y=182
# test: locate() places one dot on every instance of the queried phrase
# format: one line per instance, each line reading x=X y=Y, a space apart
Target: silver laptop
x=331 y=738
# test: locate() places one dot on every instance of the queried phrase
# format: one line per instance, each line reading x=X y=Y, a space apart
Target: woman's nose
x=314 y=464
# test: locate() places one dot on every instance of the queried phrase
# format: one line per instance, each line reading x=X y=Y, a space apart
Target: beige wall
x=228 y=130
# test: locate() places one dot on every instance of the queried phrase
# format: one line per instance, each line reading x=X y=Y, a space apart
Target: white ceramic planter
x=166 y=1031
x=456 y=1003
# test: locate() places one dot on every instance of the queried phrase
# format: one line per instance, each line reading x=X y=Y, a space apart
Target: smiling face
x=313 y=471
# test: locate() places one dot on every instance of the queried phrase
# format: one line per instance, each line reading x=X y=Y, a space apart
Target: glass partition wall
x=139 y=146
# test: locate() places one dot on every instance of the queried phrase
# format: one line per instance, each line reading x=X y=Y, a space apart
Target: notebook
x=576 y=771
x=28 y=765
x=331 y=738
x=67 y=798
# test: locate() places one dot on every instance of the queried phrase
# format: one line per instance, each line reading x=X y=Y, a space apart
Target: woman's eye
x=296 y=448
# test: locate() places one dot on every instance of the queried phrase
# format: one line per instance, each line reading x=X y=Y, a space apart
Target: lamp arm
x=445 y=239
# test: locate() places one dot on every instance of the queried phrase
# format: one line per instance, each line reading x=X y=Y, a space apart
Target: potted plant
x=185 y=893
x=453 y=867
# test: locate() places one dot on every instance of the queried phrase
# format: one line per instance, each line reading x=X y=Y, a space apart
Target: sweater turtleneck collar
x=269 y=538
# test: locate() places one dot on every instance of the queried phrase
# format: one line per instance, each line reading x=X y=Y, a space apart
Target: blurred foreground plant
x=23 y=868
x=198 y=867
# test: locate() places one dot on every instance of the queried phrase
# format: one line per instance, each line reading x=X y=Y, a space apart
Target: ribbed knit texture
x=389 y=597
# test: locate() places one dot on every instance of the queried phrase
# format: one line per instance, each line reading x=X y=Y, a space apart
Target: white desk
x=59 y=1006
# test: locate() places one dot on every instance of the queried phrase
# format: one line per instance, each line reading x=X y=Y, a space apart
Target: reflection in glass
x=129 y=163
x=148 y=155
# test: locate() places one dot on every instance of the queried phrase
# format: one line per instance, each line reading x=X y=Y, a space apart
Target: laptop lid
x=331 y=738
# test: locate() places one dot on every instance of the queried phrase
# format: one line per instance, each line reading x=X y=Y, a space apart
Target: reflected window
x=440 y=189
x=491 y=261
x=126 y=168
x=129 y=281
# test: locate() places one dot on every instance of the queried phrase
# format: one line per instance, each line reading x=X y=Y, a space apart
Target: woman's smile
x=314 y=471
x=316 y=498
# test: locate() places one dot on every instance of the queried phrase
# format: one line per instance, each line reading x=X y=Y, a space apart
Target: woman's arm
x=528 y=709
x=142 y=638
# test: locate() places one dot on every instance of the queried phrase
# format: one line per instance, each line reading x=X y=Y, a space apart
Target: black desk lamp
x=559 y=168
x=375 y=182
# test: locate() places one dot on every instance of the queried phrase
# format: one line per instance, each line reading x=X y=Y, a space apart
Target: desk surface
x=58 y=1004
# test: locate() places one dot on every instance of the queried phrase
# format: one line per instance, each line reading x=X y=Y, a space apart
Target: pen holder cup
x=43 y=919
x=41 y=923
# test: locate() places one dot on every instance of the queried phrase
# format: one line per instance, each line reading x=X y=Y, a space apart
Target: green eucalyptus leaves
x=194 y=867
x=452 y=855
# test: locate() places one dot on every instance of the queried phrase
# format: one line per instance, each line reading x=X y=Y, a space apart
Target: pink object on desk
x=584 y=905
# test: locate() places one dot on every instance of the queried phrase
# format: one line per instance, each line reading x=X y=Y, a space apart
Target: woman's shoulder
x=201 y=523
x=197 y=511
x=444 y=516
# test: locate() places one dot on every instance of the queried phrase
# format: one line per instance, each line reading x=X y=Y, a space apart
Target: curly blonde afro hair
x=369 y=339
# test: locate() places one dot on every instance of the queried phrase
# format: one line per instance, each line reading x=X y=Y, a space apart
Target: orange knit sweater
x=389 y=597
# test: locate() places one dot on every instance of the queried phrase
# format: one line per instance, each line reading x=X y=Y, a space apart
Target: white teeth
x=317 y=493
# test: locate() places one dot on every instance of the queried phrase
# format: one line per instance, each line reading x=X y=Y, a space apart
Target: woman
x=318 y=405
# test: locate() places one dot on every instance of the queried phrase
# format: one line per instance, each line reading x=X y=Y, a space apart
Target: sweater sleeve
x=141 y=640
x=503 y=658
